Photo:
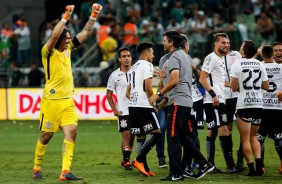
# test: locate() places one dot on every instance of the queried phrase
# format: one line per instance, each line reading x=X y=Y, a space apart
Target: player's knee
x=46 y=137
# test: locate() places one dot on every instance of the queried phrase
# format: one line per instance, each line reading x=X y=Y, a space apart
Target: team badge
x=52 y=91
x=123 y=123
x=66 y=53
x=48 y=125
x=224 y=117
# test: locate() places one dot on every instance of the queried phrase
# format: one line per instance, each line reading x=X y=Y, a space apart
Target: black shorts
x=250 y=115
x=271 y=125
x=143 y=120
x=215 y=115
x=199 y=110
x=123 y=123
x=230 y=109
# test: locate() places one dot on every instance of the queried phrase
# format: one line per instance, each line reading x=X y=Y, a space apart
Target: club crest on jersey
x=52 y=91
x=66 y=53
x=123 y=123
x=224 y=117
x=48 y=125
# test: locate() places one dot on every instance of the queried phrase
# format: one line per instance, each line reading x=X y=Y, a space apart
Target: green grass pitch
x=97 y=157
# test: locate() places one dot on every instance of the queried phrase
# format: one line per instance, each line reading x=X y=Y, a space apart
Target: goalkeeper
x=57 y=106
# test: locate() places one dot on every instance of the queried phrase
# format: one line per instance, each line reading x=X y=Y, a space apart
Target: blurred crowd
x=146 y=20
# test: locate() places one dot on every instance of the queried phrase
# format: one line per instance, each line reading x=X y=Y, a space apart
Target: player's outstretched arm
x=87 y=30
x=59 y=28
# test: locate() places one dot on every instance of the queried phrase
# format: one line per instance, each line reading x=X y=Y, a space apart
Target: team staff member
x=57 y=106
x=248 y=75
x=117 y=82
x=179 y=85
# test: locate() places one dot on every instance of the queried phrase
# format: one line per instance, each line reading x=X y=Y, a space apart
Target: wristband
x=212 y=93
x=64 y=20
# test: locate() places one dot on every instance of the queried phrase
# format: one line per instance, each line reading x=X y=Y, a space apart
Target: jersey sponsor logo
x=52 y=91
x=123 y=123
x=48 y=125
x=135 y=131
x=211 y=124
x=148 y=127
x=252 y=101
x=278 y=136
x=249 y=63
x=272 y=70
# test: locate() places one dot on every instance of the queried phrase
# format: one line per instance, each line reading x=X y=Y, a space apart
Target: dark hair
x=184 y=40
x=122 y=49
x=218 y=35
x=276 y=43
x=141 y=47
x=249 y=48
x=173 y=36
x=267 y=51
x=60 y=39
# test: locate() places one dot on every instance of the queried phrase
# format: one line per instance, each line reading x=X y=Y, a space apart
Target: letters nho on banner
x=91 y=104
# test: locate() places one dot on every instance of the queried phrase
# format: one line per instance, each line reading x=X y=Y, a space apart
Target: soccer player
x=117 y=82
x=248 y=76
x=212 y=79
x=271 y=105
x=277 y=52
x=142 y=114
x=177 y=87
x=57 y=106
x=231 y=100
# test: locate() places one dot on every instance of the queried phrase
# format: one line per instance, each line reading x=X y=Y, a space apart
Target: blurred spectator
x=130 y=35
x=144 y=32
x=177 y=11
x=104 y=73
x=265 y=27
x=278 y=26
x=116 y=30
x=85 y=11
x=173 y=25
x=16 y=77
x=22 y=34
x=6 y=31
x=103 y=31
x=35 y=76
x=108 y=48
x=200 y=33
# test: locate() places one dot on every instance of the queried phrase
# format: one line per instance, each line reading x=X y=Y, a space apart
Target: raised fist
x=68 y=12
x=96 y=8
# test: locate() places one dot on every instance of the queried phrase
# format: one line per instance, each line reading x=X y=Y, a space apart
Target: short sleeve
x=111 y=83
x=233 y=72
x=208 y=64
x=148 y=70
x=264 y=74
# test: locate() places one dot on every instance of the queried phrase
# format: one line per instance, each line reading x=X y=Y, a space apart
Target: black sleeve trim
x=75 y=42
x=173 y=69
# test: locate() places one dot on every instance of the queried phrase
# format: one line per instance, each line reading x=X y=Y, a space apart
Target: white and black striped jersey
x=229 y=59
x=274 y=74
x=250 y=74
x=140 y=71
x=117 y=83
x=215 y=67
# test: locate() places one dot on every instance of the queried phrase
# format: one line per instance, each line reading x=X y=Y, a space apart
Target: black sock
x=147 y=146
x=210 y=149
x=251 y=169
x=146 y=165
x=262 y=151
x=225 y=144
x=126 y=155
x=240 y=155
x=259 y=170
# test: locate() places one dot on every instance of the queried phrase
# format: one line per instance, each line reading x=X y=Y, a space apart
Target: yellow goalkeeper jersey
x=58 y=73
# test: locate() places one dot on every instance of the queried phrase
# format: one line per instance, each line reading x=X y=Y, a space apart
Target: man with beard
x=212 y=79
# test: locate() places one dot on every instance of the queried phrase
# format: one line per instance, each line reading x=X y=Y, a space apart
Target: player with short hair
x=117 y=82
x=272 y=107
x=58 y=110
x=277 y=52
x=142 y=114
x=212 y=79
x=248 y=76
x=177 y=87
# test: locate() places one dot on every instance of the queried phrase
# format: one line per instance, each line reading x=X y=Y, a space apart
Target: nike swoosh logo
x=173 y=178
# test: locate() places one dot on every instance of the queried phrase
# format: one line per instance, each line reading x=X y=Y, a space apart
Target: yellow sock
x=67 y=154
x=39 y=154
